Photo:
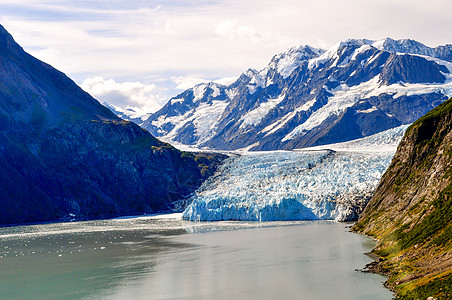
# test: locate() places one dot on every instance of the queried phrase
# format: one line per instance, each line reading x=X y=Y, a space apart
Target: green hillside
x=411 y=211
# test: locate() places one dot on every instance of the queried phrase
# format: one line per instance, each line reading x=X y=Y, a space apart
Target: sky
x=141 y=53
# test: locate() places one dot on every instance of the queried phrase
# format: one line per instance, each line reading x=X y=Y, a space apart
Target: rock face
x=307 y=97
x=411 y=210
x=64 y=155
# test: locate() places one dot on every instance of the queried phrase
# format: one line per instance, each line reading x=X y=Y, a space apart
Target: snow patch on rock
x=343 y=97
x=255 y=116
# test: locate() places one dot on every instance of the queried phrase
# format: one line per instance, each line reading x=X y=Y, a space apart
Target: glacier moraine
x=290 y=185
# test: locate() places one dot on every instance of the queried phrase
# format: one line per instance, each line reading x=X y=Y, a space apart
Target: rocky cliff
x=63 y=155
x=411 y=211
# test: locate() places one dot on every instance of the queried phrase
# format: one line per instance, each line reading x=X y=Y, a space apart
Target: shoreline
x=74 y=220
x=375 y=267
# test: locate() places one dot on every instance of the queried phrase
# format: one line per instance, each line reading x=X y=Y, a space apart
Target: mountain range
x=307 y=97
x=65 y=156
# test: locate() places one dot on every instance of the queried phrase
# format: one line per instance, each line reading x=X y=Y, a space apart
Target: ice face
x=296 y=185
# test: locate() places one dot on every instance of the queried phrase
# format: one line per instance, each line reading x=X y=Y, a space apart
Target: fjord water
x=166 y=258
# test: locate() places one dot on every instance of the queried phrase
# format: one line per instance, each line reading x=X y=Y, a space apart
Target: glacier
x=316 y=183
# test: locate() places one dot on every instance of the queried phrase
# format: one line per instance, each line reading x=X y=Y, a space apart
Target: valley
x=358 y=132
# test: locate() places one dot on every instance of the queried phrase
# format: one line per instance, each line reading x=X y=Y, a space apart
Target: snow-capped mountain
x=307 y=97
x=132 y=114
x=309 y=184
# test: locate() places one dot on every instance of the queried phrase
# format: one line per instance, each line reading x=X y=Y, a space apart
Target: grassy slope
x=411 y=211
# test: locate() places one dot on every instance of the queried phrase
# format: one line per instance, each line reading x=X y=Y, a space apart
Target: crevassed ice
x=387 y=140
x=301 y=185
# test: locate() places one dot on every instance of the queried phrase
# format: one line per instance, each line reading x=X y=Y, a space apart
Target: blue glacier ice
x=314 y=184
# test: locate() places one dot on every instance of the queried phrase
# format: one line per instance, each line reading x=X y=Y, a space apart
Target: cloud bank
x=124 y=94
x=171 y=44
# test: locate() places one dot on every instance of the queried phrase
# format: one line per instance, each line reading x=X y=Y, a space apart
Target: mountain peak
x=286 y=62
x=304 y=49
x=23 y=75
x=356 y=42
x=410 y=46
x=63 y=154
x=307 y=96
x=402 y=45
x=7 y=41
x=251 y=72
x=4 y=34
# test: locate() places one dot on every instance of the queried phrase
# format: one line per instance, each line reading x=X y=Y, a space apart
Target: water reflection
x=165 y=258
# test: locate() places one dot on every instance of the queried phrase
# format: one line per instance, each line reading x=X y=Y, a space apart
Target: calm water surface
x=165 y=258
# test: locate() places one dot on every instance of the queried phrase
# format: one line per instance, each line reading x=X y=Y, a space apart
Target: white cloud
x=186 y=82
x=124 y=94
x=169 y=41
x=230 y=29
x=226 y=80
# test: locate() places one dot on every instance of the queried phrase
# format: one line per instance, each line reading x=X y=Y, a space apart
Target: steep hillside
x=307 y=97
x=64 y=155
x=411 y=211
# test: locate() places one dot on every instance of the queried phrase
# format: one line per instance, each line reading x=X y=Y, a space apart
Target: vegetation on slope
x=411 y=211
x=63 y=155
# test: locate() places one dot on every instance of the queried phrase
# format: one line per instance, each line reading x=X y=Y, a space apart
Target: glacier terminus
x=332 y=182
